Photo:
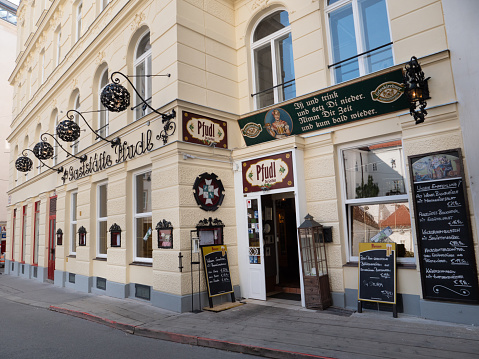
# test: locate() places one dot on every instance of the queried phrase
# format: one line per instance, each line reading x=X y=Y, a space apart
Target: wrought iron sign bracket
x=115 y=142
x=24 y=163
x=116 y=98
x=82 y=158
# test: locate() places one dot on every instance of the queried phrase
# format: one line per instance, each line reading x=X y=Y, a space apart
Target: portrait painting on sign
x=278 y=123
x=436 y=167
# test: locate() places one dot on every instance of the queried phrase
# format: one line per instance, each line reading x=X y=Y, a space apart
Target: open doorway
x=281 y=258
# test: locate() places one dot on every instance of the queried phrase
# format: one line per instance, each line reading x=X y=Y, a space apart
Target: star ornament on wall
x=208 y=191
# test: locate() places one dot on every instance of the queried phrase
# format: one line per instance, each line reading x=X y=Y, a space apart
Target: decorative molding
x=139 y=18
x=259 y=4
x=100 y=57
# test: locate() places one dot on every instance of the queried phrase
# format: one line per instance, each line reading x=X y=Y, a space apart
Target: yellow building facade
x=231 y=65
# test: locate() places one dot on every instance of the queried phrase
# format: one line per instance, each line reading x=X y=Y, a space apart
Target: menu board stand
x=377 y=274
x=217 y=272
x=444 y=236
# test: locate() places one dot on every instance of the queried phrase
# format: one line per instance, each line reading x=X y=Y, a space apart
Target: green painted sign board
x=368 y=98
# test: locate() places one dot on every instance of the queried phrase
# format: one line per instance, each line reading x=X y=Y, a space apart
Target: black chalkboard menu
x=444 y=237
x=215 y=259
x=377 y=272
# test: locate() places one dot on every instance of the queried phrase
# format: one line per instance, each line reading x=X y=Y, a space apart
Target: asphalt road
x=30 y=332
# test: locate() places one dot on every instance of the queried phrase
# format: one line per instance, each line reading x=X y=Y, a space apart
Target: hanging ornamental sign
x=371 y=97
x=268 y=173
x=208 y=191
x=204 y=130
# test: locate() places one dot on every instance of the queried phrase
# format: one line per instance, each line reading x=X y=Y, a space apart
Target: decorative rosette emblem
x=208 y=191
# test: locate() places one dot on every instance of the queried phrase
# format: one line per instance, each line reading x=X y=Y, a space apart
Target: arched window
x=273 y=65
x=54 y=121
x=38 y=132
x=103 y=114
x=76 y=106
x=142 y=65
x=103 y=4
x=78 y=21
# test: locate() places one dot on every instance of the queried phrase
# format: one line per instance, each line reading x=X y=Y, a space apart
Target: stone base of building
x=407 y=304
x=415 y=306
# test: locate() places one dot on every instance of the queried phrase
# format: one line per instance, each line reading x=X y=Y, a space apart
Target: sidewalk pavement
x=273 y=329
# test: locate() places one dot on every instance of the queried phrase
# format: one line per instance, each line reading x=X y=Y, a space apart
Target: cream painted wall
x=8 y=33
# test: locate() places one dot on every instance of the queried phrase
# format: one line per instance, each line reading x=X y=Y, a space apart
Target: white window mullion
x=359 y=38
x=274 y=67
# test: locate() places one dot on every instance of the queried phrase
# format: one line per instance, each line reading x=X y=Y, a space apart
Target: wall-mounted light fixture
x=116 y=98
x=165 y=234
x=46 y=151
x=59 y=237
x=417 y=89
x=69 y=131
x=115 y=232
x=82 y=236
x=24 y=163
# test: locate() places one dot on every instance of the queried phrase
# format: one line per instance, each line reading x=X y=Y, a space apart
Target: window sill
x=141 y=264
x=398 y=265
x=101 y=259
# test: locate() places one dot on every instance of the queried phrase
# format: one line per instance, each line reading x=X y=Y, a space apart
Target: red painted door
x=52 y=218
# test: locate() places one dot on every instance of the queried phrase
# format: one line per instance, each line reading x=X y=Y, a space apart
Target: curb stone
x=190 y=339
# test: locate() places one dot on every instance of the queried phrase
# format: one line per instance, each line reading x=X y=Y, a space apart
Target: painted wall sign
x=444 y=237
x=100 y=161
x=268 y=173
x=204 y=130
x=208 y=191
x=371 y=97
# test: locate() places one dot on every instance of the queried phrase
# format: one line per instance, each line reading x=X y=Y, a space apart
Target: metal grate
x=35 y=272
x=71 y=277
x=101 y=283
x=142 y=291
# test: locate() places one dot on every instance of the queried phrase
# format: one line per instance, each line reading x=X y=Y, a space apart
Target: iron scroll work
x=208 y=191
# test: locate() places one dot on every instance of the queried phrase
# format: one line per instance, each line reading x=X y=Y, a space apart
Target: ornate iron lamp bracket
x=115 y=142
x=28 y=164
x=82 y=158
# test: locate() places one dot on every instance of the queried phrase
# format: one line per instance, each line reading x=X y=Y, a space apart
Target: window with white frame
x=142 y=67
x=78 y=21
x=103 y=4
x=58 y=39
x=376 y=200
x=76 y=118
x=103 y=114
x=359 y=37
x=73 y=222
x=102 y=218
x=143 y=217
x=55 y=145
x=42 y=66
x=273 y=63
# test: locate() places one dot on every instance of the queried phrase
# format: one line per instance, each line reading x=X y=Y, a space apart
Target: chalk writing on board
x=446 y=251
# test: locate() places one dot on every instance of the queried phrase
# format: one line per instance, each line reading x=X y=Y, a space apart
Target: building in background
x=258 y=114
x=8 y=34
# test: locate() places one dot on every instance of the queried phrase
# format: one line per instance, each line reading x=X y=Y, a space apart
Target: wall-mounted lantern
x=59 y=237
x=116 y=98
x=165 y=234
x=82 y=236
x=115 y=232
x=417 y=89
x=314 y=264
